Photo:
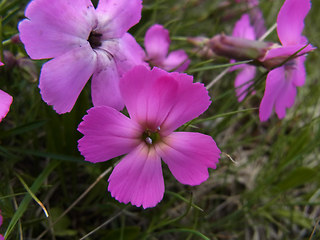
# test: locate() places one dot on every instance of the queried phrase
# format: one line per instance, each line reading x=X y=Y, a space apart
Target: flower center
x=151 y=137
x=95 y=39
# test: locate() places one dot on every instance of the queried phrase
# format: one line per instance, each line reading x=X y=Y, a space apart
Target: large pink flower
x=82 y=41
x=281 y=83
x=243 y=82
x=5 y=102
x=158 y=103
x=157 y=43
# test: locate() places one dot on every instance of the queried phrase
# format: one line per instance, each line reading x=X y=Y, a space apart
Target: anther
x=148 y=140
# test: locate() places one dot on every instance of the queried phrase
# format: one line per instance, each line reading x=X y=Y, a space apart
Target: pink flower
x=158 y=102
x=281 y=83
x=1 y=219
x=243 y=29
x=157 y=43
x=5 y=102
x=82 y=41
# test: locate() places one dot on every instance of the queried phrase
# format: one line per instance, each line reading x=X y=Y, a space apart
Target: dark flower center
x=151 y=137
x=95 y=39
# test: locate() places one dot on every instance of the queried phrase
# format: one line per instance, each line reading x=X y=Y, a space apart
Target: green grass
x=266 y=186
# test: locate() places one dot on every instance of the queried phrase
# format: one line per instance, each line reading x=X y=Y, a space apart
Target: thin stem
x=314 y=229
x=266 y=34
x=6 y=42
x=217 y=78
x=102 y=225
x=76 y=201
x=16 y=207
x=178 y=38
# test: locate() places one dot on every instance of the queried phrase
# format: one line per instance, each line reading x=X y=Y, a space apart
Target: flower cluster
x=284 y=62
x=84 y=42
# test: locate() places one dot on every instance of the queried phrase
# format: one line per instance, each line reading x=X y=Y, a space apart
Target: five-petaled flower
x=157 y=43
x=82 y=41
x=281 y=83
x=158 y=102
x=5 y=102
x=244 y=78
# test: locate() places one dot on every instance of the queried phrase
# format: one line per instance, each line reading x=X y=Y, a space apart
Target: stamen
x=148 y=140
x=151 y=136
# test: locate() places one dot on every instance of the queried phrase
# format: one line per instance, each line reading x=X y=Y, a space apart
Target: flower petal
x=299 y=73
x=279 y=93
x=107 y=134
x=177 y=61
x=138 y=178
x=63 y=78
x=5 y=102
x=243 y=81
x=105 y=89
x=189 y=155
x=285 y=99
x=126 y=51
x=116 y=17
x=288 y=51
x=273 y=89
x=158 y=98
x=243 y=28
x=191 y=101
x=50 y=32
x=258 y=22
x=157 y=42
x=148 y=95
x=290 y=21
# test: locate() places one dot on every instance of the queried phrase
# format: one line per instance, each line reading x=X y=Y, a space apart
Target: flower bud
x=240 y=49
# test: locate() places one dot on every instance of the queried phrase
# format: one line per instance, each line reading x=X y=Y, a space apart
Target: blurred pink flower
x=281 y=82
x=82 y=41
x=5 y=102
x=251 y=3
x=157 y=43
x=158 y=102
x=1 y=220
x=243 y=29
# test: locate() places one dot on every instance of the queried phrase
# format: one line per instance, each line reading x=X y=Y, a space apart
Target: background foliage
x=270 y=190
